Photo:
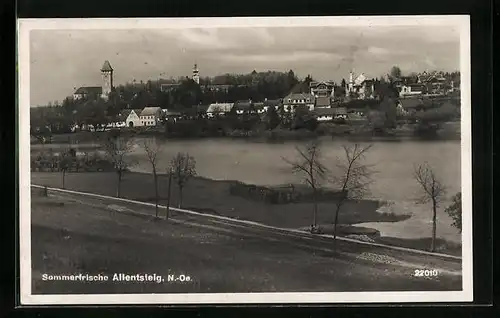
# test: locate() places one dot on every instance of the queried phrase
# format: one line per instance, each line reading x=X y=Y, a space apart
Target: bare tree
x=312 y=170
x=116 y=149
x=65 y=161
x=352 y=177
x=183 y=167
x=153 y=149
x=432 y=191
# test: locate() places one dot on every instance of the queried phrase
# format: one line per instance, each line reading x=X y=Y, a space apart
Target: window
x=289 y=100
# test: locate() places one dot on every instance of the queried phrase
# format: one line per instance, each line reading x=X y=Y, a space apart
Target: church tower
x=350 y=84
x=196 y=74
x=107 y=79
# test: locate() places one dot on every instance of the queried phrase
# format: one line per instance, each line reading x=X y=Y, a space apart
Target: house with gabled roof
x=412 y=90
x=276 y=103
x=294 y=100
x=133 y=118
x=360 y=87
x=219 y=109
x=259 y=107
x=120 y=120
x=87 y=92
x=243 y=106
x=150 y=116
x=322 y=89
x=329 y=114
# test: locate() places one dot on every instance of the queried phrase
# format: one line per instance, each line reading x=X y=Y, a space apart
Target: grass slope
x=72 y=237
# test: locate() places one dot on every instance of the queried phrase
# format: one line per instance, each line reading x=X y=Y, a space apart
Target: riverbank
x=448 y=131
x=213 y=197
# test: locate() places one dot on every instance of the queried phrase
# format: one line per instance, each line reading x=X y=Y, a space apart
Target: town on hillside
x=270 y=99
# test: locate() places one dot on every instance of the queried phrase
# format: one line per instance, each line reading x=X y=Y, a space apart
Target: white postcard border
x=27 y=298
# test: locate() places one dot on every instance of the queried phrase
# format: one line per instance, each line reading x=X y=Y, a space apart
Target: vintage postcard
x=245 y=160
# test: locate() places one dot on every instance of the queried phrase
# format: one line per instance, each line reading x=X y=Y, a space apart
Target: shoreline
x=259 y=139
x=450 y=132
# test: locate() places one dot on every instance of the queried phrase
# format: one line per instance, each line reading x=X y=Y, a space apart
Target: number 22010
x=425 y=273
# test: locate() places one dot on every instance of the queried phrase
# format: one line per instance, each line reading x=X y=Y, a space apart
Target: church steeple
x=107 y=78
x=196 y=74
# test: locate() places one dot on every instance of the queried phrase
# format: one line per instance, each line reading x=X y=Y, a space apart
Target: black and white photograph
x=245 y=160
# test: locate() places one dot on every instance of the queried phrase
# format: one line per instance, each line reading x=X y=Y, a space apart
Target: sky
x=63 y=60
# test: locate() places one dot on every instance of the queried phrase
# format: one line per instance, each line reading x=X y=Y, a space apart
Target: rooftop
x=220 y=107
x=323 y=101
x=106 y=67
x=149 y=111
x=300 y=96
x=272 y=102
x=85 y=90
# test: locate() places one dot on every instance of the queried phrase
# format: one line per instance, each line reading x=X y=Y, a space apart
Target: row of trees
x=182 y=167
x=352 y=176
x=117 y=149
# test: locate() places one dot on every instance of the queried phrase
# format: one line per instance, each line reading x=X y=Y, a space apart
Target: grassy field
x=76 y=237
x=212 y=196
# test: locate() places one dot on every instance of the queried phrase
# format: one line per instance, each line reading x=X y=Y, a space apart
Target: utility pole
x=169 y=192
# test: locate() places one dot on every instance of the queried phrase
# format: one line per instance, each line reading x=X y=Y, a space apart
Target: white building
x=292 y=101
x=133 y=119
x=219 y=109
x=150 y=116
x=360 y=87
x=412 y=90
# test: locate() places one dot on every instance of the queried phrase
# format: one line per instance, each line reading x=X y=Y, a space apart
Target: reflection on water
x=262 y=163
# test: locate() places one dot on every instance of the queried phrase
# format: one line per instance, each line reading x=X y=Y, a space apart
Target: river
x=262 y=163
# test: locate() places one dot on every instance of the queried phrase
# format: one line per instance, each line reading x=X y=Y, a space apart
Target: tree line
x=255 y=86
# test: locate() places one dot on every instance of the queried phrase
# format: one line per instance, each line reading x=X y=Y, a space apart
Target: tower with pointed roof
x=196 y=74
x=107 y=79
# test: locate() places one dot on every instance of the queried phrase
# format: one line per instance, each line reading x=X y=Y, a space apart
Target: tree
x=153 y=149
x=352 y=177
x=64 y=165
x=343 y=83
x=395 y=72
x=432 y=190
x=388 y=106
x=312 y=170
x=308 y=80
x=183 y=167
x=454 y=210
x=117 y=148
x=272 y=118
